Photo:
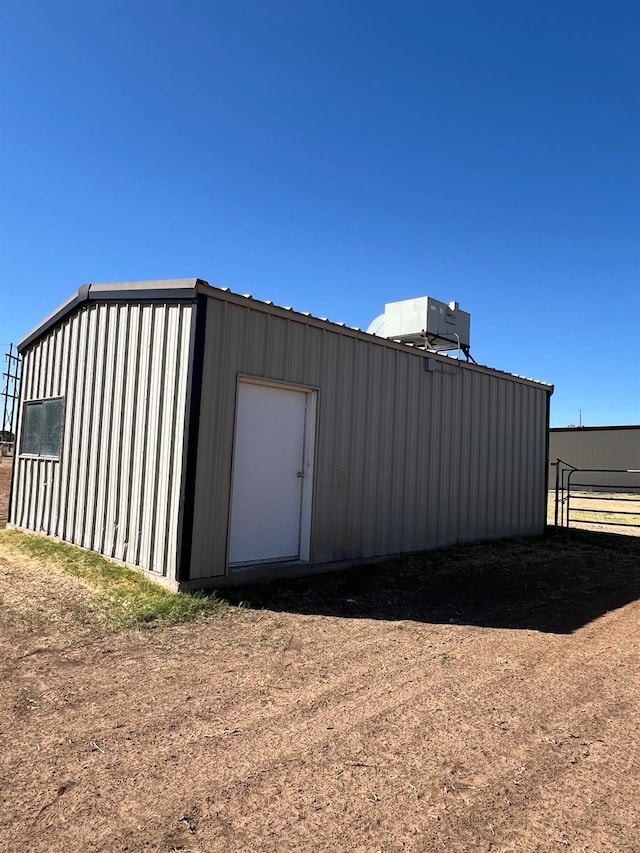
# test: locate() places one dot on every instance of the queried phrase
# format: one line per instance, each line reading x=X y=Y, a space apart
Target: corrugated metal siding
x=405 y=459
x=122 y=369
x=597 y=448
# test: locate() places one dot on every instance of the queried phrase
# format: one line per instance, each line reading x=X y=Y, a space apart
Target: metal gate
x=606 y=504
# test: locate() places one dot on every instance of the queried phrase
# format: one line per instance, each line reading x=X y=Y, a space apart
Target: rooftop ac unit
x=435 y=325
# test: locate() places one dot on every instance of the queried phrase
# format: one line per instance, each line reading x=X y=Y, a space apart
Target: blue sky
x=334 y=156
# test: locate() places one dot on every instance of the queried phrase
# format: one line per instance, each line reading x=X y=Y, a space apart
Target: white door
x=271 y=500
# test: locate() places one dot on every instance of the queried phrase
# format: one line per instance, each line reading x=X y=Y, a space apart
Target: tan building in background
x=608 y=447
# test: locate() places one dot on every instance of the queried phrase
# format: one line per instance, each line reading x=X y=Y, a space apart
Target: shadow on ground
x=555 y=583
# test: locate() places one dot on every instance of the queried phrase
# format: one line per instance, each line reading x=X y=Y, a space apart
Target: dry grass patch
x=103 y=590
x=600 y=511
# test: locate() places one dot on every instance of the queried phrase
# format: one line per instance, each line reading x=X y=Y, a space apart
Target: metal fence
x=9 y=400
x=579 y=502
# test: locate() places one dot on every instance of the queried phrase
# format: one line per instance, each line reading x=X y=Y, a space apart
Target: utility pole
x=10 y=395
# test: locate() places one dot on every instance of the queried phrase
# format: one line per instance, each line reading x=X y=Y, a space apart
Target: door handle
x=300 y=475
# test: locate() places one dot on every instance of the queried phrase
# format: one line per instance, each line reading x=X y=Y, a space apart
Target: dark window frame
x=38 y=436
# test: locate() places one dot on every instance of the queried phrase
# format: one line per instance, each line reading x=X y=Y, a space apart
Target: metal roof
x=593 y=428
x=169 y=289
x=183 y=289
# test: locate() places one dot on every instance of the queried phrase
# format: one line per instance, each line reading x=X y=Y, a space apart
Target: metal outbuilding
x=612 y=448
x=212 y=438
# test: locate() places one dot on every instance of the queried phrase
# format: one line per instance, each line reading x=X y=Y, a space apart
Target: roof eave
x=181 y=289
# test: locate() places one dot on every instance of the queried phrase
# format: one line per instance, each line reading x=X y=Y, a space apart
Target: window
x=42 y=428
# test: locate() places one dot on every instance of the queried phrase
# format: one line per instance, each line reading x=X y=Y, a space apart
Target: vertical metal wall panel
x=83 y=425
x=73 y=412
x=406 y=459
x=127 y=367
x=124 y=490
x=43 y=480
x=177 y=448
x=112 y=416
x=61 y=368
x=140 y=425
x=102 y=412
x=167 y=501
x=122 y=370
x=151 y=410
x=92 y=425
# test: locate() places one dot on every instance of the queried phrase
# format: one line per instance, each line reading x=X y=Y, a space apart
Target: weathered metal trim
x=173 y=290
x=185 y=534
x=546 y=457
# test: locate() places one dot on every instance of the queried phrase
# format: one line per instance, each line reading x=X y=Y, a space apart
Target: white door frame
x=309 y=439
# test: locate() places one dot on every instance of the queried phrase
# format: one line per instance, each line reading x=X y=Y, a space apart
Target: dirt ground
x=484 y=700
